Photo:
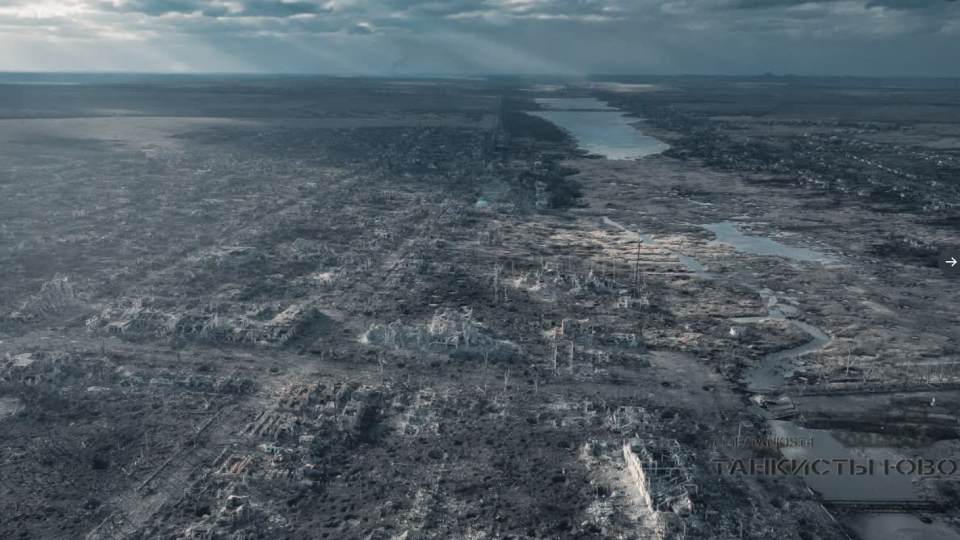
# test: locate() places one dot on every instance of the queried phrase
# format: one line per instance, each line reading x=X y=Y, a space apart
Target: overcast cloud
x=456 y=37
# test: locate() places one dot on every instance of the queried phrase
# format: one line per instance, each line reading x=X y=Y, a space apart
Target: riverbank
x=665 y=202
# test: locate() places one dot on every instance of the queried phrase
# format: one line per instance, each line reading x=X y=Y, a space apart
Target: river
x=598 y=128
x=769 y=376
x=601 y=129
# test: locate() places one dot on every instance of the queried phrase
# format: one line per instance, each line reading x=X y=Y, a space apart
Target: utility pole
x=636 y=276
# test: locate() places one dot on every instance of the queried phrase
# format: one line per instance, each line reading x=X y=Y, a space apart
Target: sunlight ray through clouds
x=495 y=36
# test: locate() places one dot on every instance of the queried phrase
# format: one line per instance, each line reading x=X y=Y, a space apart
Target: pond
x=598 y=128
x=728 y=233
x=899 y=527
x=876 y=487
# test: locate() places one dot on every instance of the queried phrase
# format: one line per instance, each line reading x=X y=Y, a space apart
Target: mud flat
x=686 y=260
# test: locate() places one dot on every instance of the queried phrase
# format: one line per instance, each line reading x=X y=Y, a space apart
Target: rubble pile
x=449 y=331
x=55 y=296
x=33 y=368
x=258 y=324
x=665 y=482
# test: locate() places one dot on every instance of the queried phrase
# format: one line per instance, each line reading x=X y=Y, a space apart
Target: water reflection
x=598 y=128
x=899 y=527
x=876 y=487
x=728 y=233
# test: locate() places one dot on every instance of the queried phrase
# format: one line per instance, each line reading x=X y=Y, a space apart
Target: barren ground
x=336 y=309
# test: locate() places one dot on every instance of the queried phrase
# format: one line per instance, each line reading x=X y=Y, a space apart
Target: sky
x=470 y=37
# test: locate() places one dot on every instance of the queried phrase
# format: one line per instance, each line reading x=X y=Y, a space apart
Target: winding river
x=601 y=129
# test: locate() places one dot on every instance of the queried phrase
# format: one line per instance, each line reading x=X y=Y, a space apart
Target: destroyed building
x=665 y=481
x=258 y=324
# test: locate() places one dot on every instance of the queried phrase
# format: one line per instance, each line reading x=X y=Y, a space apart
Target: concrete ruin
x=665 y=482
x=31 y=369
x=448 y=331
x=257 y=324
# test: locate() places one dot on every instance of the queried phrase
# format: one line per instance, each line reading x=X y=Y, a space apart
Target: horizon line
x=429 y=75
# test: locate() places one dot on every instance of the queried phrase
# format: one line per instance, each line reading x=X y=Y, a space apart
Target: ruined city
x=489 y=308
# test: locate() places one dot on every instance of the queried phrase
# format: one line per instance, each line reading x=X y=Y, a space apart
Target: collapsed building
x=31 y=369
x=663 y=478
x=448 y=331
x=259 y=324
x=56 y=297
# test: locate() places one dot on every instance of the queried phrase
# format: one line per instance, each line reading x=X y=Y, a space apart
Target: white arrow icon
x=952 y=262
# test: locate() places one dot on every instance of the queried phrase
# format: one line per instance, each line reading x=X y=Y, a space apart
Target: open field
x=374 y=310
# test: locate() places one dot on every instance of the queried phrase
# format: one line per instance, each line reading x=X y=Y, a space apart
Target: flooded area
x=770 y=375
x=574 y=104
x=877 y=487
x=898 y=527
x=775 y=367
x=598 y=128
x=728 y=233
